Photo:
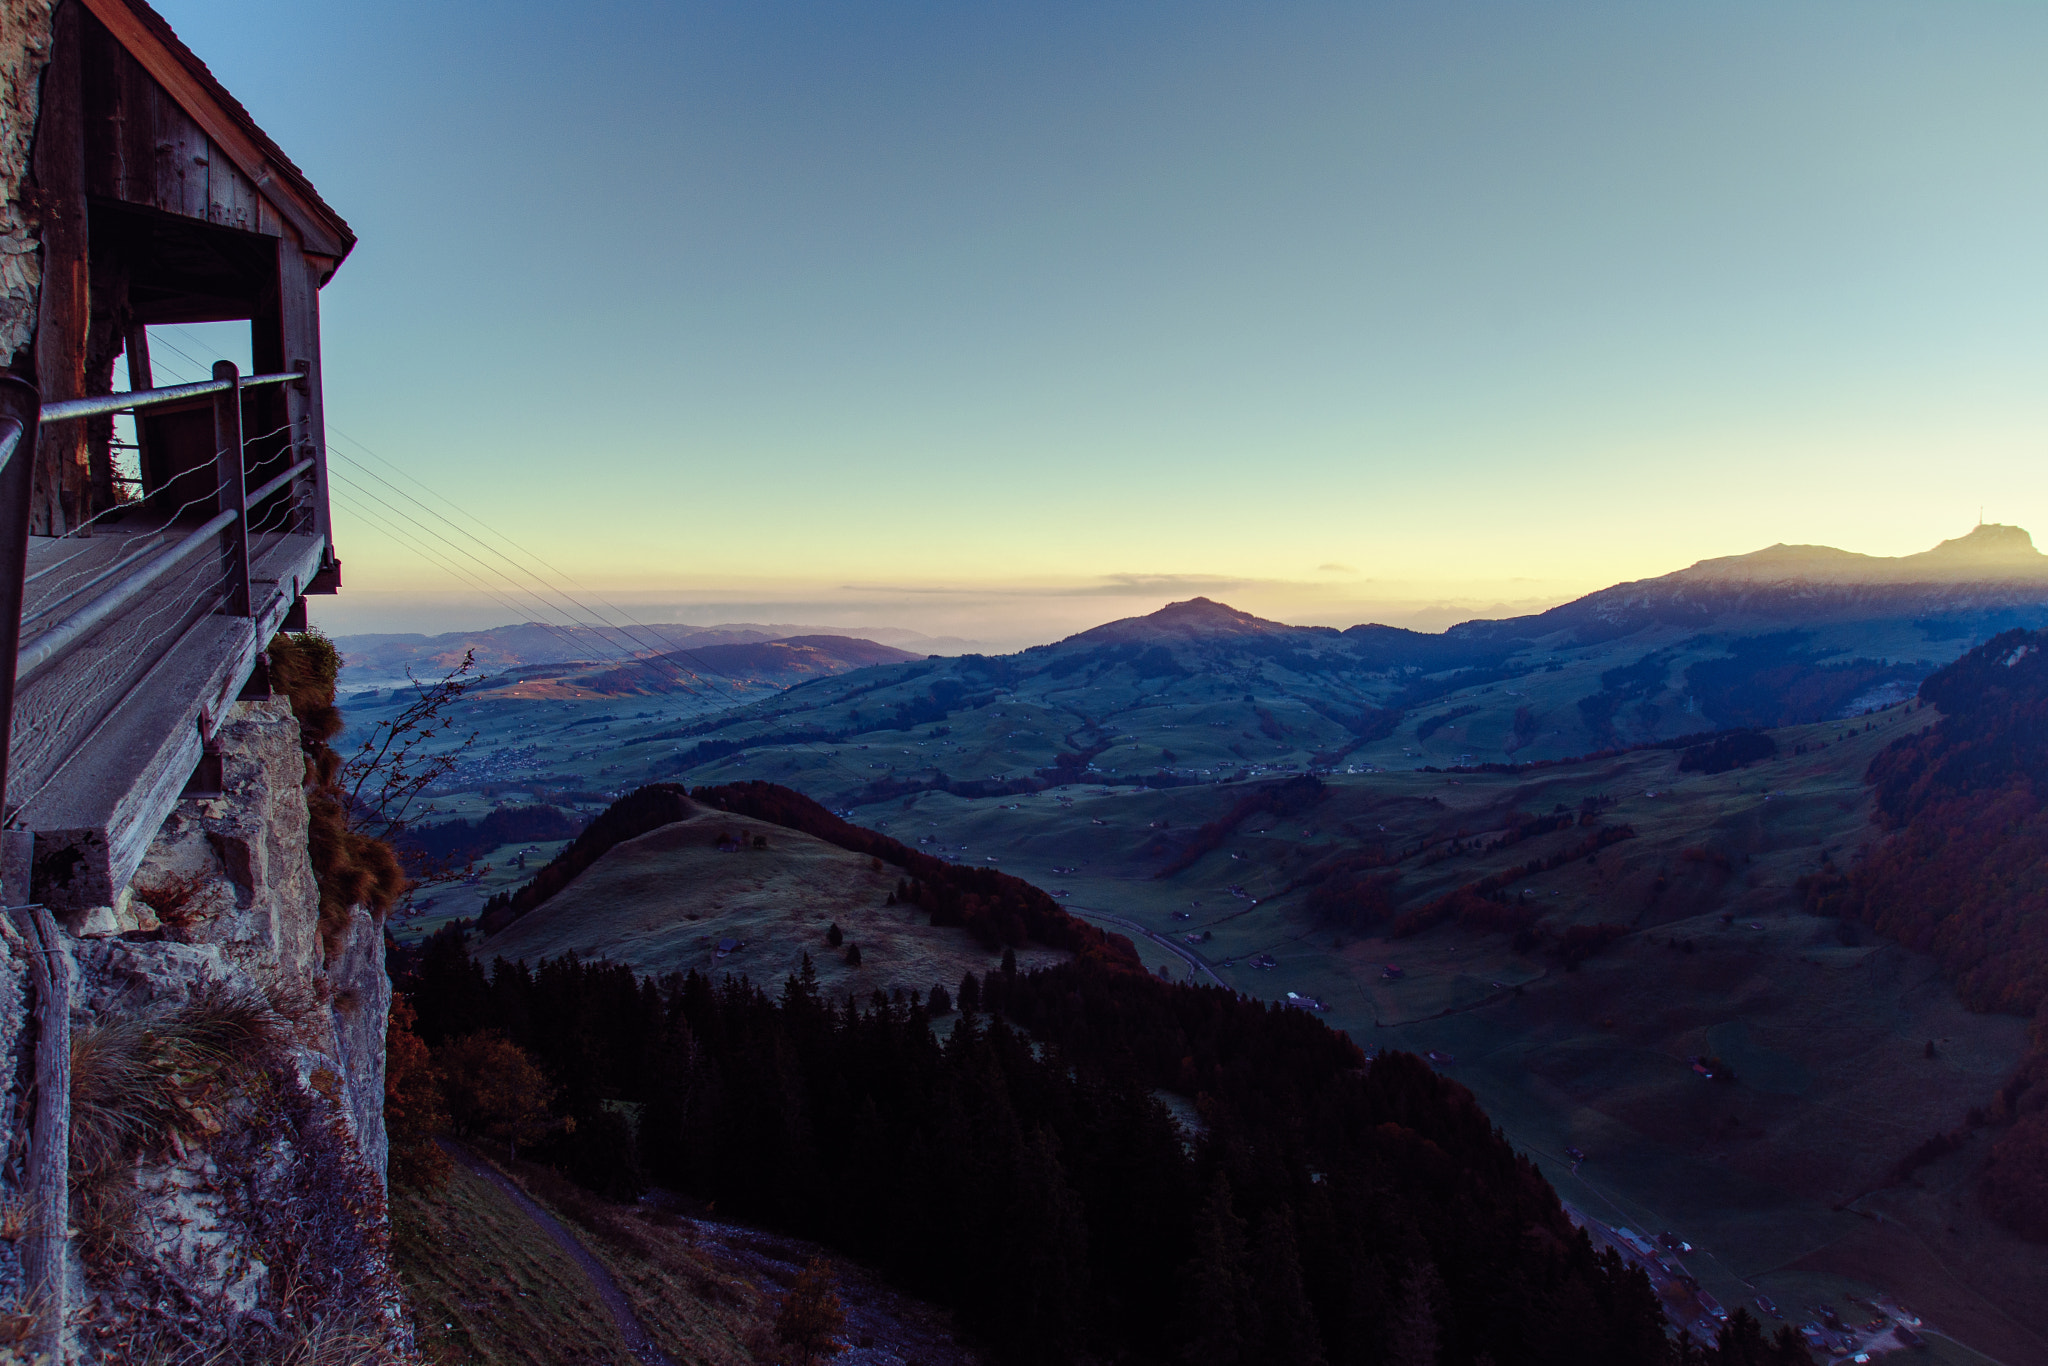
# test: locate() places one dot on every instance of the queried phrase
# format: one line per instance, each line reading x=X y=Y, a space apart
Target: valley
x=1305 y=816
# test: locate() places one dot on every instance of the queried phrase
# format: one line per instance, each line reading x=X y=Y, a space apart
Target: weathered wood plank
x=181 y=161
x=64 y=309
x=298 y=293
x=231 y=197
x=127 y=769
x=314 y=221
x=106 y=112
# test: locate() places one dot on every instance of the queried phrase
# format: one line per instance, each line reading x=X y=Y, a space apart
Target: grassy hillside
x=1782 y=1177
x=486 y=1287
x=665 y=900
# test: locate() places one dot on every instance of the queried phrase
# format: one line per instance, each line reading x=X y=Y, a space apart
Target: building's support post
x=63 y=311
x=232 y=480
x=19 y=408
x=305 y=492
x=140 y=376
x=298 y=296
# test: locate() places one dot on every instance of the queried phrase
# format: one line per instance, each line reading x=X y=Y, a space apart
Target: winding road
x=1181 y=951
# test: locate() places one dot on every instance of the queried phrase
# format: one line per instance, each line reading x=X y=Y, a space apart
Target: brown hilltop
x=1195 y=619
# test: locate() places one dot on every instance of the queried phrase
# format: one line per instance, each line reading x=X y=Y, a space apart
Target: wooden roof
x=178 y=70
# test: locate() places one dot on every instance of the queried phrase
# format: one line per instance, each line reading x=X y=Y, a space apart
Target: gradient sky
x=997 y=321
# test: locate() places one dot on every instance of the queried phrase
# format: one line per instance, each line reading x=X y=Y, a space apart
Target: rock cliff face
x=24 y=51
x=228 y=1148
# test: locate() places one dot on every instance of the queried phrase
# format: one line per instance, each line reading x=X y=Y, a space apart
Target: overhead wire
x=661 y=654
x=596 y=623
x=663 y=660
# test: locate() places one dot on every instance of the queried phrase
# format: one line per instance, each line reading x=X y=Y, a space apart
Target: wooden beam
x=218 y=124
x=298 y=299
x=64 y=309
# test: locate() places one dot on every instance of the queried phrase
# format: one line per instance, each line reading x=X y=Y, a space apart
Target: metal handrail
x=151 y=398
x=75 y=629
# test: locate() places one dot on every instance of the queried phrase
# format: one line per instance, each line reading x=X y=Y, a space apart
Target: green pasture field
x=435 y=904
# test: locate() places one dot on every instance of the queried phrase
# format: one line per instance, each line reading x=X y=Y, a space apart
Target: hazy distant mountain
x=778 y=663
x=1198 y=689
x=1970 y=586
x=1989 y=553
x=500 y=648
x=1195 y=619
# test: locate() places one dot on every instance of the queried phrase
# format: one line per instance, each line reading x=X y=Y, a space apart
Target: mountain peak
x=1197 y=617
x=1989 y=552
x=1204 y=611
x=1987 y=542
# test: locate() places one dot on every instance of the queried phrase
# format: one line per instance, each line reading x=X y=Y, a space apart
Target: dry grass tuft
x=304 y=667
x=17 y=1217
x=176 y=898
x=139 y=1083
x=347 y=1341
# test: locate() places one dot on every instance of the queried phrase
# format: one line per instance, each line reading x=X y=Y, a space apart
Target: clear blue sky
x=1323 y=309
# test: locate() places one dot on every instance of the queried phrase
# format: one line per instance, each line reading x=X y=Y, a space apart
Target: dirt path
x=601 y=1280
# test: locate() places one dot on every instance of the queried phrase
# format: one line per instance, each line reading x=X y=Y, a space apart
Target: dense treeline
x=1781 y=680
x=1965 y=874
x=459 y=841
x=1288 y=797
x=1732 y=750
x=1329 y=1211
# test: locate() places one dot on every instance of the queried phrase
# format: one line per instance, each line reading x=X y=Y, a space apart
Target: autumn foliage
x=811 y=1314
x=413 y=1112
x=352 y=868
x=494 y=1090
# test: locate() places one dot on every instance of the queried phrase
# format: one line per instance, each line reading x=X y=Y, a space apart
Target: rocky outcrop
x=228 y=1078
x=24 y=52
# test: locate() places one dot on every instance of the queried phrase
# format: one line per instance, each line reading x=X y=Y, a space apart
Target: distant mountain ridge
x=780 y=663
x=1991 y=568
x=1987 y=552
x=532 y=643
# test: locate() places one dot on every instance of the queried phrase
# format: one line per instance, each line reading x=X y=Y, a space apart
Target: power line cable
x=661 y=654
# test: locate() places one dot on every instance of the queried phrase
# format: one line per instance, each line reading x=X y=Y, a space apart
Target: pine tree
x=1412 y=1337
x=1219 y=1306
x=1289 y=1336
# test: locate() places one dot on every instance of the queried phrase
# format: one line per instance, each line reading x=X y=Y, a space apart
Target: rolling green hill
x=665 y=901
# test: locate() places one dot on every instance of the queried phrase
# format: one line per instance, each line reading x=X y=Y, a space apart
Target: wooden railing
x=150 y=578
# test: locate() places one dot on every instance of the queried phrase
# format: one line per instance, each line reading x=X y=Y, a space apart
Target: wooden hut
x=159 y=201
